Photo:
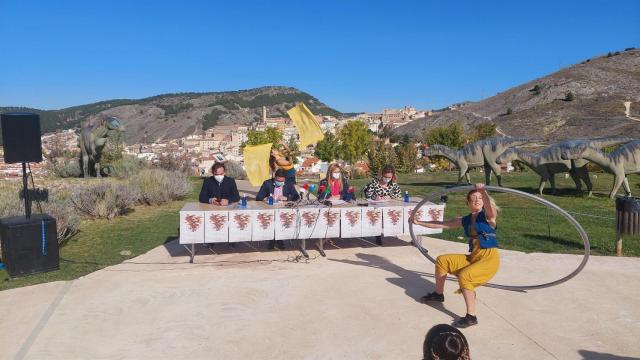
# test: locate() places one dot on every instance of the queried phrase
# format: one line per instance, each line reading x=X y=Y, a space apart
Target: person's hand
x=479 y=186
x=335 y=197
x=224 y=202
x=283 y=198
x=213 y=201
x=412 y=219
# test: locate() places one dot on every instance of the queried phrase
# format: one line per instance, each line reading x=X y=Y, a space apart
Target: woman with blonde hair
x=334 y=186
x=481 y=264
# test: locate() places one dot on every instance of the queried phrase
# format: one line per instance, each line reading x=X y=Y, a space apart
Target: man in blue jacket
x=219 y=190
x=282 y=191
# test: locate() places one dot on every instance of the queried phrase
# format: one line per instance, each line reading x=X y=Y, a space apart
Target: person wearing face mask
x=334 y=186
x=384 y=187
x=281 y=190
x=219 y=190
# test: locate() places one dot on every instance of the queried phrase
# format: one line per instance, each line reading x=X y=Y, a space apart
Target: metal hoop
x=574 y=222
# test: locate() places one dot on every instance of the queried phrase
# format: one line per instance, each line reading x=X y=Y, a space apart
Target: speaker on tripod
x=29 y=244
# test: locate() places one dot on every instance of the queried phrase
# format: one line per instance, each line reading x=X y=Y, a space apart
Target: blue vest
x=486 y=234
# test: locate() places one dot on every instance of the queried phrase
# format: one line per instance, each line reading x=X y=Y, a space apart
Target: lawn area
x=523 y=225
x=99 y=242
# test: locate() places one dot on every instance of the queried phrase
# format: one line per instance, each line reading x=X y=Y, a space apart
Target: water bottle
x=406 y=196
x=243 y=202
x=270 y=199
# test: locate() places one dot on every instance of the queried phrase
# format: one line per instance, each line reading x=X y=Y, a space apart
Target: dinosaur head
x=113 y=123
x=574 y=151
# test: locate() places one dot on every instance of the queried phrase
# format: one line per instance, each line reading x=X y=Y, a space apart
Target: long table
x=258 y=221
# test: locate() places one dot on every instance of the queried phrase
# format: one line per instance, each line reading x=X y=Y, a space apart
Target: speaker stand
x=25 y=192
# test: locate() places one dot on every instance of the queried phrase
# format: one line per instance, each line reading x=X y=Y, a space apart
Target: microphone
x=352 y=192
x=321 y=190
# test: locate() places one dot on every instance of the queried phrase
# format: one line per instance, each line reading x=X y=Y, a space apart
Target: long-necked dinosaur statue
x=549 y=162
x=547 y=170
x=480 y=153
x=91 y=141
x=621 y=162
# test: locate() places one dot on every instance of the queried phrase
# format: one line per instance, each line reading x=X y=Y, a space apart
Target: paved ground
x=357 y=303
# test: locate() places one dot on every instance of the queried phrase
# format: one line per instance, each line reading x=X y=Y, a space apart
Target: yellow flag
x=256 y=163
x=308 y=128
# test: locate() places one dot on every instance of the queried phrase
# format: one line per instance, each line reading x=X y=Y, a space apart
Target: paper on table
x=337 y=201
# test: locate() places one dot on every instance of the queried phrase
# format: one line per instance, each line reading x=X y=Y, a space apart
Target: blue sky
x=352 y=55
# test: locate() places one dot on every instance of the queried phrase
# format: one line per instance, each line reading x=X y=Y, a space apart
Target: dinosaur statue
x=549 y=162
x=91 y=141
x=621 y=162
x=480 y=153
x=547 y=167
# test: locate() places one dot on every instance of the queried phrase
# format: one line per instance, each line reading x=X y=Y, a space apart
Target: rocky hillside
x=176 y=115
x=598 y=97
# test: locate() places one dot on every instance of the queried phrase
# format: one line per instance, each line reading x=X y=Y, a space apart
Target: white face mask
x=386 y=180
x=336 y=175
x=218 y=177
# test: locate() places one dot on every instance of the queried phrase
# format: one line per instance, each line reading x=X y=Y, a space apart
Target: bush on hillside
x=104 y=200
x=234 y=169
x=157 y=186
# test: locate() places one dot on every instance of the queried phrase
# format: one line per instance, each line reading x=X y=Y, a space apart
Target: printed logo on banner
x=217 y=226
x=392 y=218
x=191 y=227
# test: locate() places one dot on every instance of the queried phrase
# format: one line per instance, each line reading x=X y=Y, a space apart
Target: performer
x=282 y=160
x=481 y=264
x=384 y=187
x=219 y=190
x=334 y=186
x=281 y=190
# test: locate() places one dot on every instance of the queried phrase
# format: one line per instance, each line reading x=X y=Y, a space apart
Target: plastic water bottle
x=243 y=202
x=406 y=196
x=270 y=199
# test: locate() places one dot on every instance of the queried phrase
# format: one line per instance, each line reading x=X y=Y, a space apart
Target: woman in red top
x=335 y=185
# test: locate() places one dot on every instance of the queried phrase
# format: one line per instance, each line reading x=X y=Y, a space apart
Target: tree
x=380 y=154
x=271 y=135
x=569 y=96
x=451 y=136
x=484 y=131
x=327 y=149
x=536 y=89
x=354 y=141
x=407 y=158
x=294 y=150
x=509 y=111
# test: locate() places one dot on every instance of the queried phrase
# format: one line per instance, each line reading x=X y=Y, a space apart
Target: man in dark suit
x=219 y=190
x=279 y=187
x=282 y=191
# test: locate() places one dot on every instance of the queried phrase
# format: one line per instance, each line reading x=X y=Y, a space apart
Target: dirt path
x=627 y=111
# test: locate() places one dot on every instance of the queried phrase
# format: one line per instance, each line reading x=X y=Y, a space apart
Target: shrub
x=104 y=200
x=65 y=168
x=234 y=169
x=569 y=96
x=125 y=167
x=59 y=207
x=157 y=186
x=175 y=163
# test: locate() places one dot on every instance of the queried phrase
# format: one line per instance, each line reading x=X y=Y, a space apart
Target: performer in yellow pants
x=481 y=264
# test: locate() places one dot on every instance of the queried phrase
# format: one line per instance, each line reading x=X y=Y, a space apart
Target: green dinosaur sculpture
x=91 y=141
x=482 y=153
x=621 y=162
x=549 y=162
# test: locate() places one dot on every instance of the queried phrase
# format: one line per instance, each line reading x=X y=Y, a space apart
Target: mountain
x=598 y=97
x=172 y=116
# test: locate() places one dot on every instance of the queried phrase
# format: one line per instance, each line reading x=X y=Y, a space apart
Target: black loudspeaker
x=29 y=246
x=21 y=137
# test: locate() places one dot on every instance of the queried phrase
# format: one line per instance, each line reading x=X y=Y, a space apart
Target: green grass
x=99 y=242
x=526 y=226
x=523 y=225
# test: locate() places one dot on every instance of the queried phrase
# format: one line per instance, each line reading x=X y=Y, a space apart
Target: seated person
x=445 y=342
x=277 y=186
x=219 y=190
x=384 y=187
x=334 y=186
